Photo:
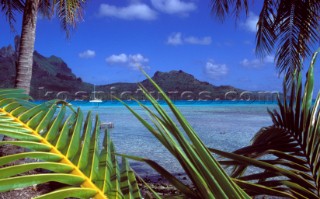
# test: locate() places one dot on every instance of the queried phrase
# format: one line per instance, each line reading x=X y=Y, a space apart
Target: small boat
x=95 y=100
x=105 y=125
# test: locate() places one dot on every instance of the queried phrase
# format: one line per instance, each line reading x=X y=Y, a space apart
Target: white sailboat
x=95 y=100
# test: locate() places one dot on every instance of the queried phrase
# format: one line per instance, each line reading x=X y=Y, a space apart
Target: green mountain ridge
x=178 y=84
x=52 y=78
x=48 y=74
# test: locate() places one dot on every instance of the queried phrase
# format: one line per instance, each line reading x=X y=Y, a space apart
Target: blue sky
x=160 y=35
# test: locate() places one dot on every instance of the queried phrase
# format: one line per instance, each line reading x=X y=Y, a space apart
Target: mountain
x=48 y=74
x=177 y=84
x=52 y=78
x=7 y=67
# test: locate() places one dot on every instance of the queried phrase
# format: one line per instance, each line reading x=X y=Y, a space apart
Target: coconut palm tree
x=288 y=27
x=68 y=11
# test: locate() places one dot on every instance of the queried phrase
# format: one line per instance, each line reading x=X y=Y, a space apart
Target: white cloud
x=199 y=41
x=251 y=22
x=131 y=12
x=87 y=54
x=121 y=58
x=216 y=71
x=174 y=6
x=132 y=61
x=178 y=39
x=137 y=58
x=175 y=39
x=256 y=63
x=269 y=59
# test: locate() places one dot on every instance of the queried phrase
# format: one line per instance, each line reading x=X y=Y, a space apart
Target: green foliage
x=67 y=145
x=288 y=28
x=288 y=151
x=209 y=179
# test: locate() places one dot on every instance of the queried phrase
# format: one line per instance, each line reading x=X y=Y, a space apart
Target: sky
x=116 y=37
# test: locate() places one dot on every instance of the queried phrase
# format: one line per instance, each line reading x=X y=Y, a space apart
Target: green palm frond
x=292 y=173
x=288 y=151
x=68 y=147
x=288 y=28
x=208 y=177
x=266 y=36
x=296 y=29
x=69 y=13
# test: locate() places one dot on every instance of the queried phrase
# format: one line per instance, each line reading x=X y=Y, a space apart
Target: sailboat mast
x=94 y=92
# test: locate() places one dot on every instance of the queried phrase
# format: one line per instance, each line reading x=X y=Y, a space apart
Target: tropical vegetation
x=287 y=152
x=285 y=155
x=68 y=11
x=288 y=28
x=64 y=143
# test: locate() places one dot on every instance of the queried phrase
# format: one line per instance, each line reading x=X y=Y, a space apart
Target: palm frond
x=221 y=8
x=45 y=8
x=291 y=144
x=209 y=179
x=9 y=7
x=266 y=36
x=68 y=147
x=290 y=28
x=69 y=13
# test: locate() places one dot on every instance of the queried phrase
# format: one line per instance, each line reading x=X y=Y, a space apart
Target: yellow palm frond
x=67 y=145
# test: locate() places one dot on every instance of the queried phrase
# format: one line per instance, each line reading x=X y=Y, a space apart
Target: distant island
x=52 y=78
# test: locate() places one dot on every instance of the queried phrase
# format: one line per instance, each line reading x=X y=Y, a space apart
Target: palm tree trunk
x=25 y=58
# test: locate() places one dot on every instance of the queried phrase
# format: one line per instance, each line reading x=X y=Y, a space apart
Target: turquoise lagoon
x=222 y=125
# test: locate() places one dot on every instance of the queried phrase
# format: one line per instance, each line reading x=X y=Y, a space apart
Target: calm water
x=223 y=126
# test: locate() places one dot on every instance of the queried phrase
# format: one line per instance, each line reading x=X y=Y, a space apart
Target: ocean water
x=225 y=126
